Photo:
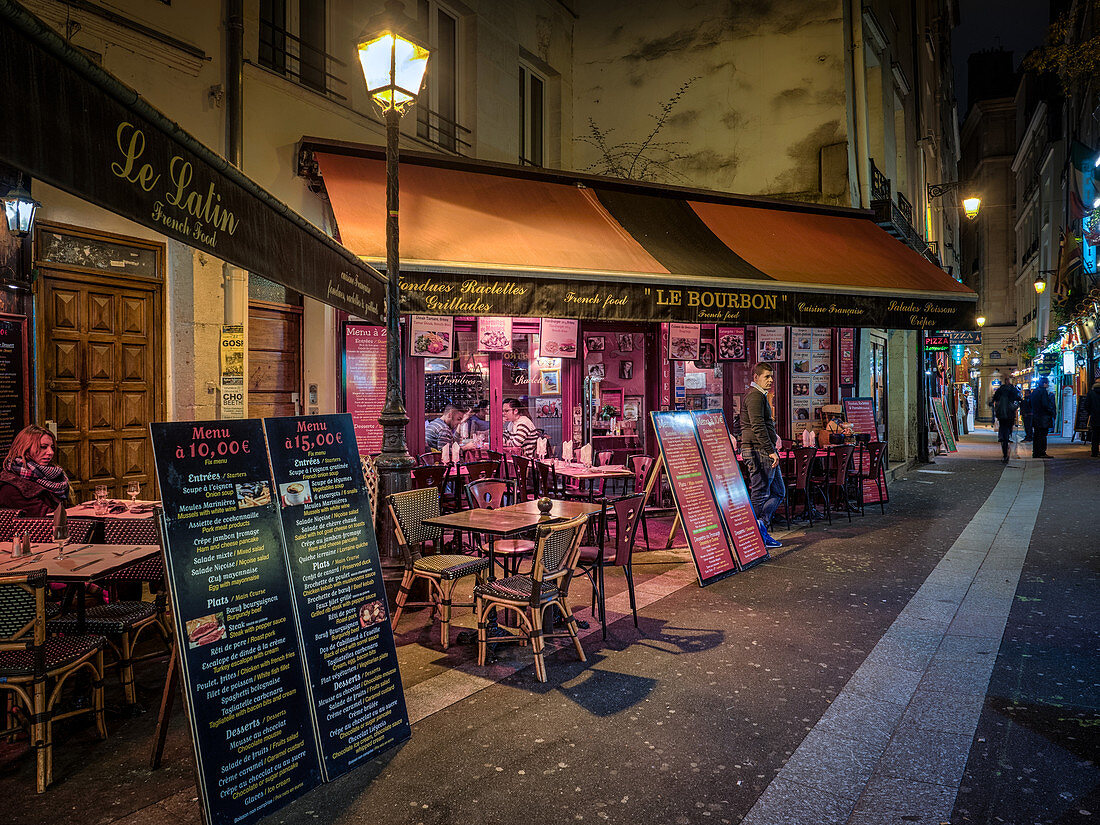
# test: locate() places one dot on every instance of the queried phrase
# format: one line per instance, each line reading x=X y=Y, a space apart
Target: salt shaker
x=17 y=546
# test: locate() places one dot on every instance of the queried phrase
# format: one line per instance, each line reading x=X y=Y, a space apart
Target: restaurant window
x=461 y=381
x=532 y=120
x=536 y=383
x=437 y=106
x=293 y=37
x=615 y=373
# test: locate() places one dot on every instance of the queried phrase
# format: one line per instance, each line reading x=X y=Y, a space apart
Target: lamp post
x=970 y=204
x=393 y=68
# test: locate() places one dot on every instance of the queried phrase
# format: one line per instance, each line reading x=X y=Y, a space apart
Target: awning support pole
x=394 y=464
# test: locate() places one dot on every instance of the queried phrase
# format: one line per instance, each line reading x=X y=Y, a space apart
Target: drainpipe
x=234 y=80
x=859 y=88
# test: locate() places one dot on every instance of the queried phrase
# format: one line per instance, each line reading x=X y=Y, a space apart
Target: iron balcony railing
x=303 y=62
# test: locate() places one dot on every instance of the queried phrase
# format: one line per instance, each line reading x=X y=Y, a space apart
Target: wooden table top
x=563 y=468
x=87 y=510
x=81 y=562
x=560 y=509
x=490 y=522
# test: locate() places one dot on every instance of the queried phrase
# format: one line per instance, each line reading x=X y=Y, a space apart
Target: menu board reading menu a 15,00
x=336 y=577
x=729 y=487
x=365 y=382
x=243 y=677
x=691 y=490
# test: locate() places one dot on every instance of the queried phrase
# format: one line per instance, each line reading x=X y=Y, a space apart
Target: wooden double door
x=101 y=345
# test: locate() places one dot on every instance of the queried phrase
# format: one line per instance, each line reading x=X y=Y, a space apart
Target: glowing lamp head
x=971 y=206
x=1040 y=285
x=394 y=68
x=980 y=321
x=19 y=209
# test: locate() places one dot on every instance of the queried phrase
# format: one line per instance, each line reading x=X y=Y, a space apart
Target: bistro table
x=580 y=473
x=143 y=510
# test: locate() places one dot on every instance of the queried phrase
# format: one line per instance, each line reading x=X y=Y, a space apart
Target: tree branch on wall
x=648 y=159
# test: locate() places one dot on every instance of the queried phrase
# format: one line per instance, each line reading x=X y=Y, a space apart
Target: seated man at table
x=522 y=436
x=443 y=430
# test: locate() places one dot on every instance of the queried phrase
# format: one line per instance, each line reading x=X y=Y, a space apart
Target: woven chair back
x=22 y=610
x=130 y=531
x=7 y=517
x=40 y=528
x=408 y=510
x=370 y=479
x=557 y=552
x=491 y=493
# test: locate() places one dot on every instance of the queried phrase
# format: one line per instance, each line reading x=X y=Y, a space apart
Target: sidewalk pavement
x=936 y=664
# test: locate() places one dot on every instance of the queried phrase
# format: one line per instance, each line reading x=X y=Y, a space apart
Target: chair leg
x=40 y=737
x=537 y=643
x=402 y=596
x=603 y=600
x=126 y=668
x=630 y=588
x=97 y=698
x=571 y=626
x=482 y=631
x=645 y=528
x=445 y=613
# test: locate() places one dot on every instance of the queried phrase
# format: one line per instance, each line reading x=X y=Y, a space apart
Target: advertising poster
x=729 y=488
x=731 y=344
x=431 y=336
x=494 y=334
x=358 y=704
x=558 y=337
x=821 y=364
x=231 y=358
x=365 y=382
x=771 y=343
x=683 y=342
x=691 y=490
x=243 y=679
x=846 y=367
x=860 y=413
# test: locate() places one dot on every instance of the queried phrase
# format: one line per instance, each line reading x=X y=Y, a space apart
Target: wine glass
x=61 y=536
x=133 y=489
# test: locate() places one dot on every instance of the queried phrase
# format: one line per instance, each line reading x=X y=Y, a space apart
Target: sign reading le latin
x=485 y=295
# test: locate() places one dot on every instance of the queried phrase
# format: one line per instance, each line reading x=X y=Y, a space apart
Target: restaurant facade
x=596 y=301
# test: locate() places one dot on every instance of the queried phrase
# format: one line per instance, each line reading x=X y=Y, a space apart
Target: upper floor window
x=437 y=106
x=293 y=40
x=532 y=117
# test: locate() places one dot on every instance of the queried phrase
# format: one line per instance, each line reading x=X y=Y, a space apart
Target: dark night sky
x=1014 y=25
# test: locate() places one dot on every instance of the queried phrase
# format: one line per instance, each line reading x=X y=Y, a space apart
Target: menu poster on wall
x=860 y=413
x=431 y=336
x=683 y=342
x=242 y=673
x=336 y=578
x=494 y=334
x=691 y=490
x=771 y=343
x=365 y=382
x=15 y=396
x=821 y=364
x=558 y=337
x=847 y=363
x=731 y=344
x=232 y=371
x=729 y=487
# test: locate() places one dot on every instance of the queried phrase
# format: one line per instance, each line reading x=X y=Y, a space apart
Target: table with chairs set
x=52 y=627
x=833 y=477
x=522 y=531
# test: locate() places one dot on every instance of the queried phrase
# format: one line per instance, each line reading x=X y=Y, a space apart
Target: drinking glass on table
x=101 y=504
x=133 y=489
x=61 y=536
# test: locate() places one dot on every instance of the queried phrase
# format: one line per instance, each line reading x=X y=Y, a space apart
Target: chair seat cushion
x=450 y=567
x=60 y=652
x=107 y=619
x=589 y=553
x=514 y=588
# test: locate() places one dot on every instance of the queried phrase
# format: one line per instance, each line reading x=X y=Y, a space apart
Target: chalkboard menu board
x=15 y=398
x=339 y=598
x=365 y=382
x=729 y=487
x=241 y=661
x=943 y=424
x=1081 y=424
x=460 y=389
x=694 y=497
x=860 y=413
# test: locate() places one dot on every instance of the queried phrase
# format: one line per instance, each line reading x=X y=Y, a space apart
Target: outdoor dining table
x=142 y=510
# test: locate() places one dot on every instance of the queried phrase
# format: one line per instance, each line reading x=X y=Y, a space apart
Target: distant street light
x=970 y=204
x=1040 y=284
x=980 y=321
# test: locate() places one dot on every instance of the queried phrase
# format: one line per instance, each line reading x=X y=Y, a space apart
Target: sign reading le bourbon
x=624 y=300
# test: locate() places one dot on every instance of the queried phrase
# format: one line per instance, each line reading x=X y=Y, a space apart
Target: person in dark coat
x=1005 y=402
x=1092 y=405
x=1025 y=415
x=31 y=480
x=760 y=446
x=1042 y=416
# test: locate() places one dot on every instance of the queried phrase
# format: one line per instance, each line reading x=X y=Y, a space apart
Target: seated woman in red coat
x=31 y=480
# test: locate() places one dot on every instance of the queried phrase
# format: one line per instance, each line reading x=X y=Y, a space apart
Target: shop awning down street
x=71 y=124
x=488 y=239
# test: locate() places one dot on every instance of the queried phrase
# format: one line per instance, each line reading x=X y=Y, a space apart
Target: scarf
x=51 y=478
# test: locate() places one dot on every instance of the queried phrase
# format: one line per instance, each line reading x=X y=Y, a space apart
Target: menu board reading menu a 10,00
x=691 y=490
x=336 y=577
x=242 y=674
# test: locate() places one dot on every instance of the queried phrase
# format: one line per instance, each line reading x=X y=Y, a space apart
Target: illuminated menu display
x=14 y=389
x=710 y=547
x=340 y=601
x=860 y=413
x=365 y=382
x=730 y=493
x=242 y=671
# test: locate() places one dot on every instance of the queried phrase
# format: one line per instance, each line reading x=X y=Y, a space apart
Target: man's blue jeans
x=767 y=490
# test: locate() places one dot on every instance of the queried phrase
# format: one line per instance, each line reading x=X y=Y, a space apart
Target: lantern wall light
x=980 y=321
x=19 y=210
x=970 y=204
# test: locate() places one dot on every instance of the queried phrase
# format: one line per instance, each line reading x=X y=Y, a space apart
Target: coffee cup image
x=295 y=492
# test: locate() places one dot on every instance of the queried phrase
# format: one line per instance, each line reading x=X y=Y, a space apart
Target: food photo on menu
x=800 y=388
x=372 y=613
x=803 y=342
x=294 y=493
x=431 y=342
x=802 y=367
x=252 y=494
x=821 y=390
x=731 y=347
x=205 y=630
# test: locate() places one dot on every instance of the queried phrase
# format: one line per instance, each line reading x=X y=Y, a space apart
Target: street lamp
x=970 y=204
x=980 y=321
x=393 y=69
x=19 y=209
x=1040 y=284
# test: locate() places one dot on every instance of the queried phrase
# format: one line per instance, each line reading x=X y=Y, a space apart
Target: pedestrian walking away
x=1005 y=402
x=761 y=447
x=1042 y=416
x=1025 y=414
x=1092 y=405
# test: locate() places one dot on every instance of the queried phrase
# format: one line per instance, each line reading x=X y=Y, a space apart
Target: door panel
x=100 y=338
x=274 y=359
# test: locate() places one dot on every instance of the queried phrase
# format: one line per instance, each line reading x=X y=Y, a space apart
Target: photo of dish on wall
x=800 y=388
x=802 y=367
x=731 y=343
x=821 y=390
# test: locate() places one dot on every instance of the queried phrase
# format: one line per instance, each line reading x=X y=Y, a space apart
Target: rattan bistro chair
x=441 y=572
x=34 y=666
x=40 y=528
x=529 y=596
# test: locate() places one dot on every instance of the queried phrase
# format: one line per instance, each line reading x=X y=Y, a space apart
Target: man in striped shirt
x=522 y=436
